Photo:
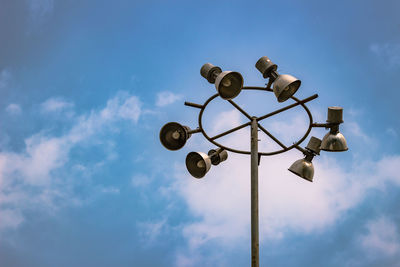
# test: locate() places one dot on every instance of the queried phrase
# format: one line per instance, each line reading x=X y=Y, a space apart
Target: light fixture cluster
x=284 y=85
x=333 y=141
x=199 y=163
x=173 y=136
x=229 y=84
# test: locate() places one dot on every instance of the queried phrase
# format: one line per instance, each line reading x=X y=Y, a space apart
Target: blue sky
x=86 y=86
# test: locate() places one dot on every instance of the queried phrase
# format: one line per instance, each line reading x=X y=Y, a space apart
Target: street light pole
x=254 y=193
x=229 y=84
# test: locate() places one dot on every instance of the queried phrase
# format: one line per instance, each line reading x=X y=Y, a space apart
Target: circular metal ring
x=248 y=152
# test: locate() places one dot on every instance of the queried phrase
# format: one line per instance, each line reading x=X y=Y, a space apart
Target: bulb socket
x=314 y=145
x=210 y=72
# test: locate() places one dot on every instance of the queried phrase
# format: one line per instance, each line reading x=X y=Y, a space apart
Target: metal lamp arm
x=323 y=125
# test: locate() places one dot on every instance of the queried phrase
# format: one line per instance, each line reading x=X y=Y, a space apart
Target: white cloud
x=5 y=77
x=290 y=131
x=10 y=219
x=353 y=128
x=287 y=203
x=195 y=258
x=14 y=109
x=140 y=180
x=185 y=261
x=225 y=121
x=32 y=176
x=55 y=104
x=387 y=53
x=382 y=237
x=150 y=231
x=43 y=154
x=122 y=106
x=166 y=98
x=39 y=12
x=392 y=132
x=109 y=190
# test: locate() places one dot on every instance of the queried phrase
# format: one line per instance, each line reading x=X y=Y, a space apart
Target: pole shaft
x=254 y=194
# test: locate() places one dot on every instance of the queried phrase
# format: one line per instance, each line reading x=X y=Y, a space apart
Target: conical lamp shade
x=198 y=164
x=229 y=84
x=285 y=86
x=334 y=142
x=173 y=136
x=303 y=168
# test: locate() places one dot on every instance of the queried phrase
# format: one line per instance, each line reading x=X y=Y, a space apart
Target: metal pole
x=254 y=193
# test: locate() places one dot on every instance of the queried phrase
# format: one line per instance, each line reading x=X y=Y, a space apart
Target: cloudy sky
x=86 y=86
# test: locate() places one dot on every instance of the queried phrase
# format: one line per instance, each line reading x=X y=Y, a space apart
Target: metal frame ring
x=248 y=152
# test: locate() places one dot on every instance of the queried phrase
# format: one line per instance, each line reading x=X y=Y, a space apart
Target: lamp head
x=229 y=84
x=303 y=168
x=198 y=164
x=173 y=135
x=334 y=141
x=217 y=156
x=210 y=72
x=314 y=145
x=285 y=86
x=266 y=66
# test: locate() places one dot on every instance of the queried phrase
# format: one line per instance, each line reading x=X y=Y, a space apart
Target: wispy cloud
x=354 y=129
x=122 y=106
x=387 y=53
x=225 y=121
x=392 y=132
x=39 y=12
x=5 y=77
x=56 y=104
x=32 y=177
x=140 y=180
x=109 y=190
x=14 y=109
x=166 y=98
x=150 y=231
x=10 y=219
x=289 y=130
x=382 y=237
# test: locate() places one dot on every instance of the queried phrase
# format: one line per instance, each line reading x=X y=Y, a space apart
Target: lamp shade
x=285 y=86
x=229 y=84
x=334 y=142
x=303 y=168
x=198 y=164
x=173 y=136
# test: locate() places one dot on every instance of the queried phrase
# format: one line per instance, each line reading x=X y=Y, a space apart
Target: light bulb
x=200 y=164
x=226 y=82
x=176 y=135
